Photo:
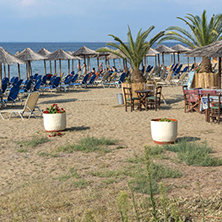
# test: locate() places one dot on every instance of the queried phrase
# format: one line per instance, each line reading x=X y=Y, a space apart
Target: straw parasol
x=85 y=52
x=60 y=55
x=152 y=53
x=180 y=49
x=9 y=59
x=45 y=52
x=164 y=50
x=212 y=50
x=29 y=55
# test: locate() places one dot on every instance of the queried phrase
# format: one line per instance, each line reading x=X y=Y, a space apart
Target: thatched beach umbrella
x=180 y=49
x=211 y=50
x=8 y=59
x=29 y=55
x=45 y=52
x=152 y=53
x=85 y=52
x=164 y=50
x=60 y=55
x=103 y=55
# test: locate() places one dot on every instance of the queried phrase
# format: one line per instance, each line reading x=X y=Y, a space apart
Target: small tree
x=133 y=52
x=201 y=33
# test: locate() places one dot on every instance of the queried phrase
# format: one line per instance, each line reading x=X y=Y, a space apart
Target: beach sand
x=95 y=112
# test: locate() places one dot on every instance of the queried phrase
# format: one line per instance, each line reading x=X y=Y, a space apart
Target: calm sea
x=38 y=66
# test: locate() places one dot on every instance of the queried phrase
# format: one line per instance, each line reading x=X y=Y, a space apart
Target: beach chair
x=74 y=79
x=29 y=107
x=66 y=84
x=191 y=100
x=12 y=97
x=53 y=87
x=129 y=100
x=154 y=100
x=214 y=111
x=37 y=85
x=84 y=81
x=92 y=80
x=26 y=88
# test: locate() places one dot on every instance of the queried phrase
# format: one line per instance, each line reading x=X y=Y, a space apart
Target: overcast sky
x=92 y=20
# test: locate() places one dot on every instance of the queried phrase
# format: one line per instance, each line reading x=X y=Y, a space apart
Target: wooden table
x=142 y=95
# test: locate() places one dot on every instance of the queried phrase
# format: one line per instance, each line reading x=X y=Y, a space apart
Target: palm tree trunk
x=137 y=76
x=205 y=65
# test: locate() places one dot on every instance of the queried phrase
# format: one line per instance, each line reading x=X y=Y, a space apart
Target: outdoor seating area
x=207 y=101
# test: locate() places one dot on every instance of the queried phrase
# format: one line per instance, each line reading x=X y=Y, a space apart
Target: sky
x=93 y=20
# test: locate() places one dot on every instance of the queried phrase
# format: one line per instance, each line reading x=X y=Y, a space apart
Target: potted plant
x=164 y=130
x=54 y=119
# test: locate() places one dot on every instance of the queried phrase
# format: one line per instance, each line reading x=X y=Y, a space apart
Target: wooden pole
x=60 y=70
x=1 y=77
x=219 y=73
x=72 y=64
x=178 y=56
x=50 y=65
x=19 y=73
x=55 y=67
x=68 y=66
x=119 y=64
x=5 y=71
x=98 y=70
x=45 y=66
x=9 y=70
x=26 y=70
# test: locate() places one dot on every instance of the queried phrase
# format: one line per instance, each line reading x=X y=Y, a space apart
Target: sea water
x=38 y=66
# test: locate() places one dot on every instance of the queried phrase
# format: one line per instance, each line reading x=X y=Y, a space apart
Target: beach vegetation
x=194 y=153
x=201 y=32
x=133 y=51
x=89 y=144
x=33 y=142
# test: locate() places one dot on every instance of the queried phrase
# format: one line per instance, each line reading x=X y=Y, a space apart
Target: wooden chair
x=154 y=101
x=191 y=100
x=128 y=98
x=214 y=107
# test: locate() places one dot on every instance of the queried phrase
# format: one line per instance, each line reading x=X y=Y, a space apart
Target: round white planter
x=54 y=122
x=164 y=132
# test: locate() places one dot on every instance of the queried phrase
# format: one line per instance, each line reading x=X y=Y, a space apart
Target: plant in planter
x=164 y=130
x=54 y=119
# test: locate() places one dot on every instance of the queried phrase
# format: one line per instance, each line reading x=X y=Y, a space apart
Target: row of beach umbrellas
x=28 y=55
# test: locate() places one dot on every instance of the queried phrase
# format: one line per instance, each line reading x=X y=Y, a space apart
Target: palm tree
x=201 y=33
x=133 y=52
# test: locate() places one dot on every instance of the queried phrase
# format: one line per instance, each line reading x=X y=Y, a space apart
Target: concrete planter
x=164 y=132
x=54 y=122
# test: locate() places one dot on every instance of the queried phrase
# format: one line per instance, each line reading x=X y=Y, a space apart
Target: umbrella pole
x=30 y=69
x=178 y=55
x=50 y=65
x=5 y=72
x=19 y=74
x=98 y=64
x=8 y=70
x=119 y=64
x=219 y=73
x=114 y=62
x=1 y=77
x=72 y=64
x=45 y=66
x=26 y=70
x=60 y=71
x=54 y=67
x=68 y=66
x=188 y=62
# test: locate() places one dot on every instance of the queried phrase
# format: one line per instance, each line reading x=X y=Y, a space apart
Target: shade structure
x=180 y=49
x=60 y=54
x=7 y=58
x=85 y=52
x=212 y=50
x=45 y=52
x=29 y=55
x=151 y=53
x=103 y=55
x=164 y=50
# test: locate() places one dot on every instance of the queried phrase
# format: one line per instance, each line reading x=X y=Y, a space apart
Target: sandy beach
x=95 y=112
